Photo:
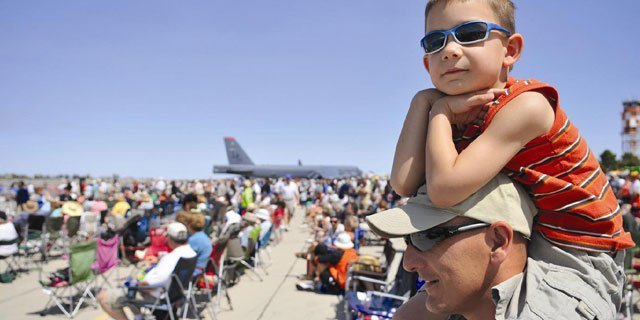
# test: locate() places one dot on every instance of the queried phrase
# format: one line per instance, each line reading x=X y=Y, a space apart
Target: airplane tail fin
x=235 y=153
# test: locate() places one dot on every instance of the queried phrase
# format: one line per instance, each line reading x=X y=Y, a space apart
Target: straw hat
x=72 y=208
x=30 y=206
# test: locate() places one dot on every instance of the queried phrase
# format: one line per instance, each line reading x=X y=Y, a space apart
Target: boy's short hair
x=503 y=9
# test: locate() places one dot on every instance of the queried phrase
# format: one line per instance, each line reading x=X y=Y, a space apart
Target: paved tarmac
x=273 y=298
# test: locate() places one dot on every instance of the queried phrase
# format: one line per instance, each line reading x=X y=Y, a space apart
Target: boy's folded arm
x=453 y=177
x=407 y=173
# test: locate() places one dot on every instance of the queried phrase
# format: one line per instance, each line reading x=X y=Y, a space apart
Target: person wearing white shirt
x=291 y=196
x=265 y=222
x=7 y=233
x=114 y=300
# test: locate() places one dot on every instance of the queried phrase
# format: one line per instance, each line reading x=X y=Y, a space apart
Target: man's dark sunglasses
x=424 y=240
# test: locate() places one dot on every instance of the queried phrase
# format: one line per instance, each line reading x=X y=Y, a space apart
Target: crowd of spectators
x=210 y=210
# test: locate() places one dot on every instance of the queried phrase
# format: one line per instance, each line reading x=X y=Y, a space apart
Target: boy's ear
x=425 y=61
x=514 y=50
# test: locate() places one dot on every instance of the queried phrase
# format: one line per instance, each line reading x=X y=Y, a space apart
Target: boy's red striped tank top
x=577 y=207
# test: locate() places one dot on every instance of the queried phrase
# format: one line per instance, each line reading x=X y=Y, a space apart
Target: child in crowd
x=481 y=122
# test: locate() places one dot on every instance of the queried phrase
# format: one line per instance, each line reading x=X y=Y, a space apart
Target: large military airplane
x=240 y=163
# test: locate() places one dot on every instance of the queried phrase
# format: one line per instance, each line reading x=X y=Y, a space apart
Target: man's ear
x=425 y=61
x=501 y=236
x=514 y=50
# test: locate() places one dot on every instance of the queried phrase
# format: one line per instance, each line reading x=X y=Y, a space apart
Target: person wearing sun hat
x=480 y=259
x=121 y=207
x=72 y=209
x=331 y=265
x=265 y=221
x=251 y=229
x=30 y=206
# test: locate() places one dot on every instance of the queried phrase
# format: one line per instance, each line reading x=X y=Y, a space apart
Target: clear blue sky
x=149 y=88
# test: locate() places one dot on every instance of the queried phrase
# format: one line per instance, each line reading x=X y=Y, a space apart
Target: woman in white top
x=7 y=233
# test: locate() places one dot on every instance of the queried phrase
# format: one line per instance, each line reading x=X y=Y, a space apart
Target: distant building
x=630 y=124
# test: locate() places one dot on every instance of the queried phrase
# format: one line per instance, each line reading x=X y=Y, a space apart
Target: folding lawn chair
x=32 y=234
x=106 y=258
x=240 y=259
x=382 y=303
x=89 y=224
x=53 y=236
x=79 y=275
x=363 y=277
x=10 y=258
x=169 y=300
x=129 y=242
x=262 y=247
x=222 y=284
x=363 y=282
x=212 y=279
x=73 y=226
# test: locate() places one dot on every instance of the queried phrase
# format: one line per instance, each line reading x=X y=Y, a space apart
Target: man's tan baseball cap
x=499 y=200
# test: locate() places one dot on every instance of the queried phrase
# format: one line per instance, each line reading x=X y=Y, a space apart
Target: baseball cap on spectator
x=177 y=231
x=499 y=200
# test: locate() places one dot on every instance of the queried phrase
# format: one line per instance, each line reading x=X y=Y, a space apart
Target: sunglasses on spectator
x=425 y=240
x=466 y=33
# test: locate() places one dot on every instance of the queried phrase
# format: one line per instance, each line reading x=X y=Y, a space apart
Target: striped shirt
x=577 y=207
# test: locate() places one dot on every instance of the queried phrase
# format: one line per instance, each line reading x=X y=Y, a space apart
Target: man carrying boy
x=474 y=259
x=515 y=126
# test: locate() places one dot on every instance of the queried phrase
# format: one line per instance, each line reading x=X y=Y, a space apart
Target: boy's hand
x=464 y=108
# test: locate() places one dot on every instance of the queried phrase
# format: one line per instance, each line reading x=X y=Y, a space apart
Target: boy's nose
x=452 y=49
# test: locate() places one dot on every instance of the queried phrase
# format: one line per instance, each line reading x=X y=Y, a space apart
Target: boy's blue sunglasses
x=465 y=33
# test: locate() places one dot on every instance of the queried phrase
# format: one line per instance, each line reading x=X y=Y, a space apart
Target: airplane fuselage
x=275 y=171
x=240 y=163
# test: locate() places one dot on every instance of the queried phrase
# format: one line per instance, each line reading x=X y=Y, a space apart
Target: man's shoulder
x=553 y=292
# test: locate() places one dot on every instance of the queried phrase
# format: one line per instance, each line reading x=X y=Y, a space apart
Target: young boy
x=514 y=126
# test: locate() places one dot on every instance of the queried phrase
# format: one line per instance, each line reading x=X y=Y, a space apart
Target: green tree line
x=609 y=161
